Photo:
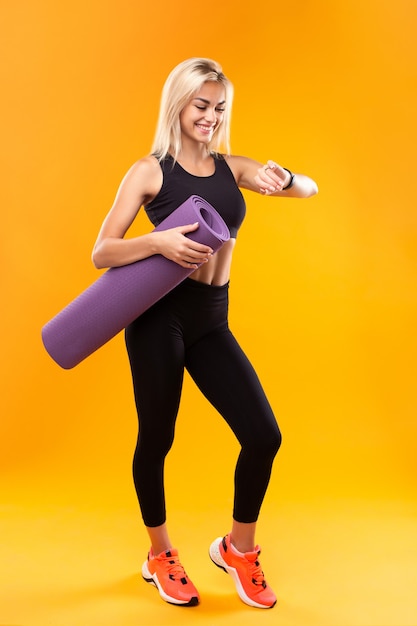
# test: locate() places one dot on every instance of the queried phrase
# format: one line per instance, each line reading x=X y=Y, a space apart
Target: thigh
x=224 y=374
x=156 y=354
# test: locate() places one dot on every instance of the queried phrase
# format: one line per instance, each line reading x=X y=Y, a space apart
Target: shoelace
x=258 y=577
x=174 y=568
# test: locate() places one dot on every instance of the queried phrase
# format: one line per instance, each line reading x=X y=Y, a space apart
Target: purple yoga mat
x=121 y=294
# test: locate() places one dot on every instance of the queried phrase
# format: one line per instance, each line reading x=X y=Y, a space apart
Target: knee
x=274 y=441
x=266 y=442
x=154 y=448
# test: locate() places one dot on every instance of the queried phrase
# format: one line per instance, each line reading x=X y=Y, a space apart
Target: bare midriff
x=217 y=270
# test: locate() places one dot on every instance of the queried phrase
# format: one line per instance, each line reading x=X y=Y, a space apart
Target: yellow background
x=323 y=299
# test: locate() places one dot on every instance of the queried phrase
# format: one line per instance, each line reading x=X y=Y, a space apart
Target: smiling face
x=202 y=116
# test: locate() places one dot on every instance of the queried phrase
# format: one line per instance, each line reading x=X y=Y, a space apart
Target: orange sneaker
x=246 y=572
x=167 y=574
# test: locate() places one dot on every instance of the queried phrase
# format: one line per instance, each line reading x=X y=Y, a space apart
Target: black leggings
x=188 y=328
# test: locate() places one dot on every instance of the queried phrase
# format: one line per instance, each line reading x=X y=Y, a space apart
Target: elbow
x=97 y=259
x=306 y=188
x=309 y=190
x=313 y=190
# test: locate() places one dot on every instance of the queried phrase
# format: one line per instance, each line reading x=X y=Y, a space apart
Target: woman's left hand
x=271 y=178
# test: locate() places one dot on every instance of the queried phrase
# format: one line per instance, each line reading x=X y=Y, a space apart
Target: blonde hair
x=182 y=83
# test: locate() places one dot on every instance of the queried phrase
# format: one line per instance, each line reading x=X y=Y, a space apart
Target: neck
x=193 y=152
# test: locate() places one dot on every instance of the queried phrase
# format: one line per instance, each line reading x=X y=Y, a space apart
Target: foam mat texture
x=121 y=294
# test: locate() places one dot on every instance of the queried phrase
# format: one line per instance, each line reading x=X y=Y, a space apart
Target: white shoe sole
x=153 y=580
x=218 y=560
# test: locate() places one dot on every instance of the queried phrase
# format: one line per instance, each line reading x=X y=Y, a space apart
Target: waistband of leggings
x=197 y=284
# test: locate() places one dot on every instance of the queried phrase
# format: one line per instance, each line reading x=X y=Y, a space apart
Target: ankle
x=159 y=549
x=159 y=538
x=240 y=547
x=242 y=536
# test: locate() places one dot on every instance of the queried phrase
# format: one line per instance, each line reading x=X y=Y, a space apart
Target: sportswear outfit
x=188 y=328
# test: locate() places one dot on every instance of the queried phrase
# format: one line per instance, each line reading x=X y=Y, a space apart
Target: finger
x=197 y=250
x=270 y=176
x=265 y=182
x=189 y=264
x=193 y=256
x=279 y=174
x=199 y=247
x=187 y=228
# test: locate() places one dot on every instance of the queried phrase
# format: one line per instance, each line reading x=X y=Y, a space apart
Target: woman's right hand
x=175 y=246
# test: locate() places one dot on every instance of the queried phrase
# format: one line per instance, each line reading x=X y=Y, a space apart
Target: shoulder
x=146 y=166
x=146 y=175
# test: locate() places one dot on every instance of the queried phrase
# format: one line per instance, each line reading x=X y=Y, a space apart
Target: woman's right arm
x=142 y=183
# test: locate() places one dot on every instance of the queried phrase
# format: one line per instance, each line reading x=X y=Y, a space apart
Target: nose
x=211 y=115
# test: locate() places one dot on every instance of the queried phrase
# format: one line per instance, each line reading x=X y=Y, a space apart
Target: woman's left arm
x=271 y=179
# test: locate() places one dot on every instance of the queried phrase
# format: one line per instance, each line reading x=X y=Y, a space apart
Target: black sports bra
x=219 y=189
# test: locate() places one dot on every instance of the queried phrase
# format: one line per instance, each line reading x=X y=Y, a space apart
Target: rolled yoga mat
x=121 y=294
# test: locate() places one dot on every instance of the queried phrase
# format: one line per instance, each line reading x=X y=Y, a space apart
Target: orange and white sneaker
x=246 y=572
x=168 y=575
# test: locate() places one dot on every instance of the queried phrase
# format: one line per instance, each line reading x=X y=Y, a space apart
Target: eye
x=220 y=110
x=201 y=108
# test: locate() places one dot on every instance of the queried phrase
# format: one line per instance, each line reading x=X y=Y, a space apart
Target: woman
x=188 y=327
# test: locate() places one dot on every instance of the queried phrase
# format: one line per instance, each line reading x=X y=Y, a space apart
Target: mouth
x=205 y=129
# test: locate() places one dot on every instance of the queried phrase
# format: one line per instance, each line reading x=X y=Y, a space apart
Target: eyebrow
x=208 y=101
